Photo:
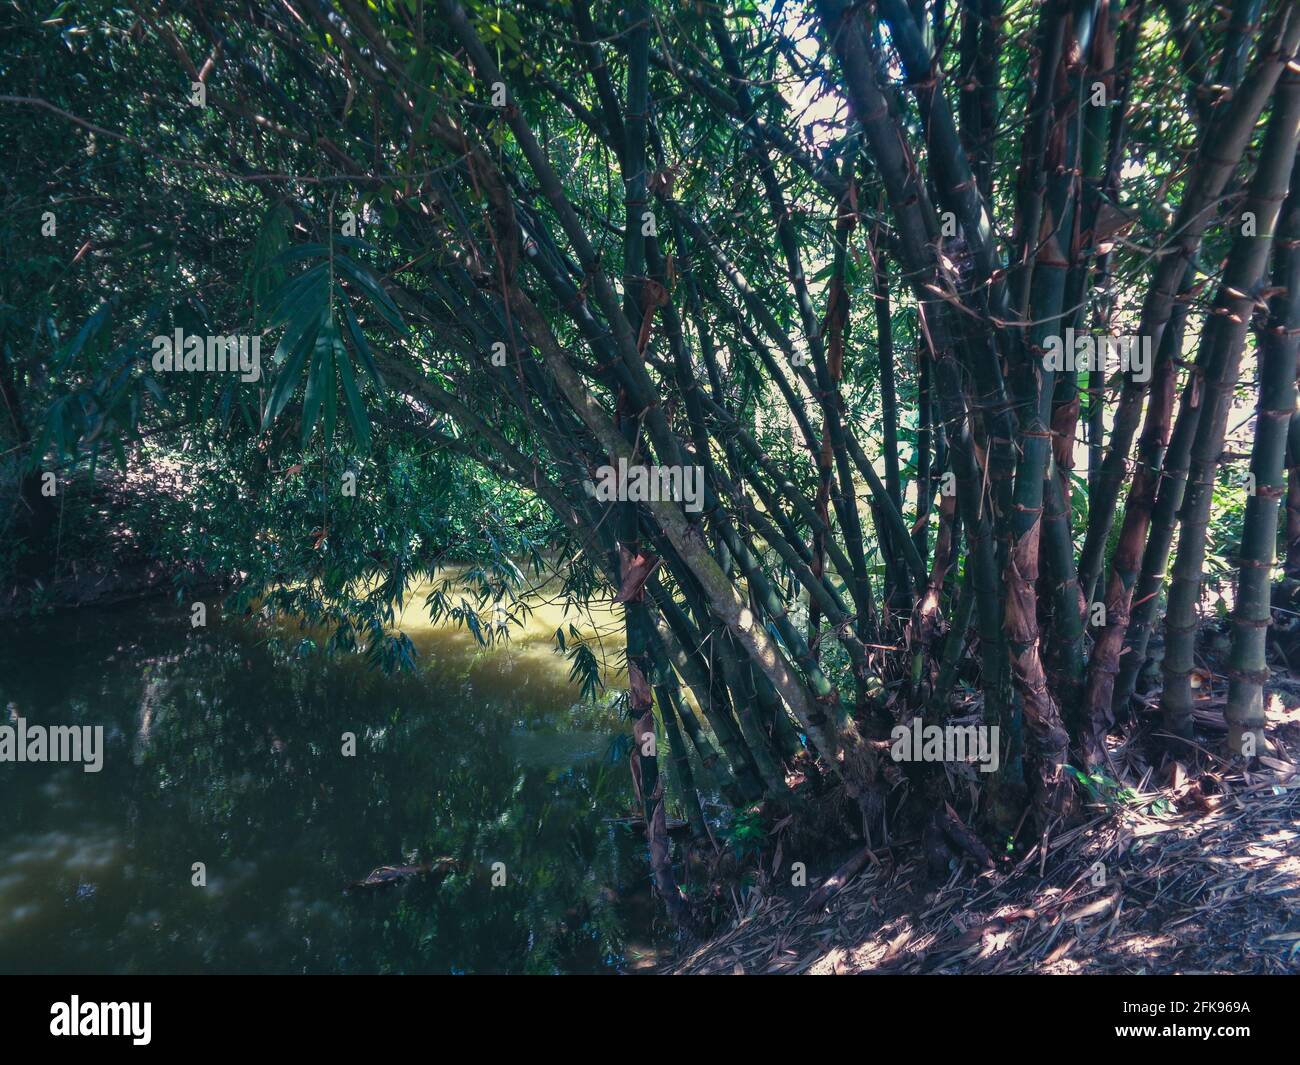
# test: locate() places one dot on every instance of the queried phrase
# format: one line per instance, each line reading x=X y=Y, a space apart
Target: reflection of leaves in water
x=555 y=750
x=242 y=770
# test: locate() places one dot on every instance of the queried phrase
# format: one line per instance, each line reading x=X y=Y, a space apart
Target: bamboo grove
x=819 y=250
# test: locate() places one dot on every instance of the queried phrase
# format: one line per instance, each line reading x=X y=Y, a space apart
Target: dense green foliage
x=823 y=252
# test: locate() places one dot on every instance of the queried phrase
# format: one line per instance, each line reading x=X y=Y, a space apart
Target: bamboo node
x=1252 y=623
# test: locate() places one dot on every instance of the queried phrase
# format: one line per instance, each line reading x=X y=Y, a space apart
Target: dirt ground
x=1193 y=868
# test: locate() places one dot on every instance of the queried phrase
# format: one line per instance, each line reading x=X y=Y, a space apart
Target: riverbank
x=1196 y=873
x=104 y=548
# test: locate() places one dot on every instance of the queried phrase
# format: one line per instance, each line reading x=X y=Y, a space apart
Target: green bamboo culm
x=1248 y=669
x=684 y=776
x=1224 y=339
x=1160 y=538
x=1230 y=127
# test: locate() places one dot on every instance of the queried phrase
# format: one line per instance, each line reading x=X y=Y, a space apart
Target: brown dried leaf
x=636 y=571
x=638 y=690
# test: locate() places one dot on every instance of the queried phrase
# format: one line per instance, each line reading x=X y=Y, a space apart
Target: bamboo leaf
x=370 y=284
x=363 y=349
x=356 y=410
x=317 y=382
x=287 y=378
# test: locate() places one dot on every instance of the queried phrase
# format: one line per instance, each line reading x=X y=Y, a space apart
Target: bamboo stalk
x=1277 y=400
x=1220 y=149
x=1225 y=335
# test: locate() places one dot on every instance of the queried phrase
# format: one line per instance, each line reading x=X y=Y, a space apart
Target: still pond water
x=224 y=746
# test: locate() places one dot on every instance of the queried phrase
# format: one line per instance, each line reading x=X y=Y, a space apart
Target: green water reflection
x=224 y=745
